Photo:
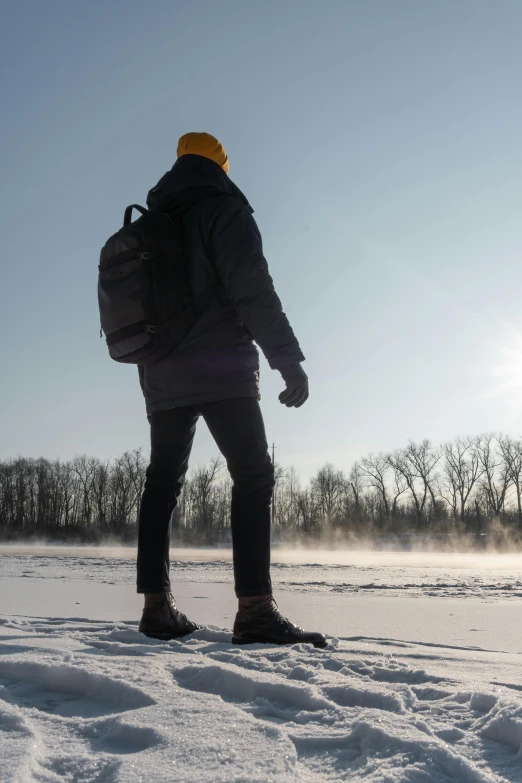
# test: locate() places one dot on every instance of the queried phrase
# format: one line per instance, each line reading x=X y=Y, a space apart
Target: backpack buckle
x=151 y=329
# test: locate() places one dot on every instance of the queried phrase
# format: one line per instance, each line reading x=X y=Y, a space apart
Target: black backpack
x=144 y=295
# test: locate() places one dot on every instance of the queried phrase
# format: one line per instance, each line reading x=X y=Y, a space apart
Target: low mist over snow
x=280 y=555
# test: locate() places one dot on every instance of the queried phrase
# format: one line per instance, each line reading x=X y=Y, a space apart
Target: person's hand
x=296 y=392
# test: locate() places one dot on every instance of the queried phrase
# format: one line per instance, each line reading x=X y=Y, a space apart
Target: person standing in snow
x=214 y=373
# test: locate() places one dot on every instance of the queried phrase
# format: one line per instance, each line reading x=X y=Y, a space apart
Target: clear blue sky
x=380 y=145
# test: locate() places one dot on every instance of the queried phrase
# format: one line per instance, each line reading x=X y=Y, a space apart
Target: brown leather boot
x=161 y=618
x=263 y=622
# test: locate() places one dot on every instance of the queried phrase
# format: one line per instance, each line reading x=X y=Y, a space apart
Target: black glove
x=296 y=392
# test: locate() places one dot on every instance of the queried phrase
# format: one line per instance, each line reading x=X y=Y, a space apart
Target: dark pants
x=238 y=429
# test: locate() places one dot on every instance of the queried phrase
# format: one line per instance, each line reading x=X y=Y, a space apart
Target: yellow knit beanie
x=205 y=145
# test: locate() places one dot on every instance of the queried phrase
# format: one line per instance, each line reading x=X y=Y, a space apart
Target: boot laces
x=272 y=609
x=169 y=595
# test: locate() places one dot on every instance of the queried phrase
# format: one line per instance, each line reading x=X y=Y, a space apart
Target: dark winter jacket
x=218 y=360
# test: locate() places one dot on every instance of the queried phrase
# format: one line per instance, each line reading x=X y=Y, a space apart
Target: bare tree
x=308 y=511
x=461 y=469
x=496 y=476
x=399 y=486
x=328 y=486
x=356 y=483
x=424 y=457
x=136 y=466
x=287 y=502
x=375 y=468
x=201 y=489
x=415 y=465
x=101 y=492
x=511 y=451
x=85 y=469
x=279 y=477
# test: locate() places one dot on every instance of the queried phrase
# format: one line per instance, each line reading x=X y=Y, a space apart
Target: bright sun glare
x=509 y=370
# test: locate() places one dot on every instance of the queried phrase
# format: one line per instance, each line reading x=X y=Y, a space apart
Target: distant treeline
x=471 y=487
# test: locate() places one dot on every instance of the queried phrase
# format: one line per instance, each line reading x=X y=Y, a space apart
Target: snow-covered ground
x=422 y=682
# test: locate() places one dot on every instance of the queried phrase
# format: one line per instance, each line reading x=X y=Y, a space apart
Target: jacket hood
x=191 y=178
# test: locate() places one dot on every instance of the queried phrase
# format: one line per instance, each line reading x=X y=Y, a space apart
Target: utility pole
x=273 y=494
